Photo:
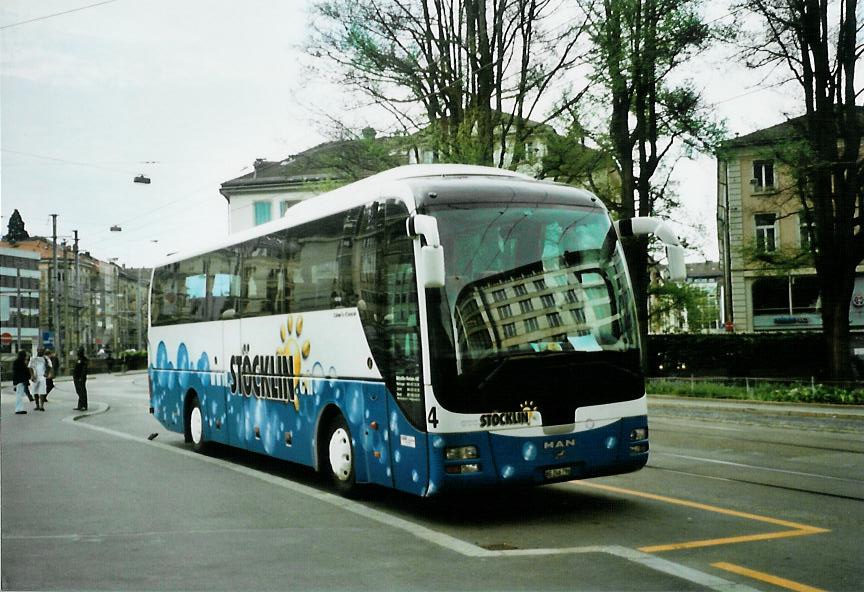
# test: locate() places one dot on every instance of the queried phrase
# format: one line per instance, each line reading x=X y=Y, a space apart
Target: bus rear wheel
x=195 y=426
x=340 y=456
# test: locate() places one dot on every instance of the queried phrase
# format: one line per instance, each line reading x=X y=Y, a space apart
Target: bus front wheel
x=340 y=455
x=195 y=426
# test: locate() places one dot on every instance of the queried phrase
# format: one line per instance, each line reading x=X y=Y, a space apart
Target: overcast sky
x=190 y=92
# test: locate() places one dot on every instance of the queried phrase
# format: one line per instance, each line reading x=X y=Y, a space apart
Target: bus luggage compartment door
x=374 y=437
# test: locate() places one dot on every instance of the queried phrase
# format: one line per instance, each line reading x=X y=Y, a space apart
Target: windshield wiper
x=492 y=373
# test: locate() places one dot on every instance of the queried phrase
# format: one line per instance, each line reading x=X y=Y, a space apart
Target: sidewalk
x=854 y=412
x=7 y=383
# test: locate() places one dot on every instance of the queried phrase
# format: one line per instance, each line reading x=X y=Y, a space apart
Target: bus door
x=224 y=290
x=388 y=287
x=231 y=345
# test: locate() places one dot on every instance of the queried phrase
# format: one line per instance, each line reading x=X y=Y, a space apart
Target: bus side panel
x=374 y=435
x=410 y=453
x=180 y=368
x=164 y=395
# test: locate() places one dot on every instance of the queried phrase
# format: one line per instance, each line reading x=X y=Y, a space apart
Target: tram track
x=756 y=482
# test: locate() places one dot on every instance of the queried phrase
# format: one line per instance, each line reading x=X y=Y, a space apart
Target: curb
x=851 y=412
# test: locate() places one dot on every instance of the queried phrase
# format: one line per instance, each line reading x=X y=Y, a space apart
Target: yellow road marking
x=795 y=528
x=768 y=578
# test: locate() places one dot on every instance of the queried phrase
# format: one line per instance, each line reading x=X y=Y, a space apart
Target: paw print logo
x=529 y=407
x=297 y=349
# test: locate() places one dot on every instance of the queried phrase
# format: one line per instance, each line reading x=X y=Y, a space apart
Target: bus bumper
x=459 y=461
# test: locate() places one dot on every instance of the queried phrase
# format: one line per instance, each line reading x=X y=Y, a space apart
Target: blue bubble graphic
x=611 y=441
x=529 y=451
x=508 y=471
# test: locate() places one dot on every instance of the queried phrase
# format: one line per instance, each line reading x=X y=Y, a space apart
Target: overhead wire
x=56 y=14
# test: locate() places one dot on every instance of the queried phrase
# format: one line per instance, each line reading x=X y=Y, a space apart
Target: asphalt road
x=735 y=497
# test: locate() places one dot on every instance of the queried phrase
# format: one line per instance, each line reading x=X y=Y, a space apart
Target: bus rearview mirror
x=431 y=266
x=675 y=262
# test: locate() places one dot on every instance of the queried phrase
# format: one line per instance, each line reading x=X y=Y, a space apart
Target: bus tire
x=195 y=425
x=339 y=456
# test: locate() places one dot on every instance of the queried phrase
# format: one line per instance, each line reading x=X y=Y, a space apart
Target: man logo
x=556 y=444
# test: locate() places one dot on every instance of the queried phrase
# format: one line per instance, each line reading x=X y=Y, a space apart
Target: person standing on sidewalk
x=20 y=379
x=40 y=366
x=79 y=377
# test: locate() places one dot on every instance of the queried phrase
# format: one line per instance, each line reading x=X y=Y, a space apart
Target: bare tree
x=637 y=46
x=816 y=44
x=468 y=71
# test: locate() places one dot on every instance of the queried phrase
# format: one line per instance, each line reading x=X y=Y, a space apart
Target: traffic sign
x=6 y=338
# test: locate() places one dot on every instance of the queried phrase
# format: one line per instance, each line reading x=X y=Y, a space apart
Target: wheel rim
x=340 y=454
x=195 y=425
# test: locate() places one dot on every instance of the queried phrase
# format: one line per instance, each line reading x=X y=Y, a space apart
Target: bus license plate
x=559 y=472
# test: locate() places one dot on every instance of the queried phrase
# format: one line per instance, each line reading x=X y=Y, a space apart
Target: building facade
x=764 y=236
x=274 y=186
x=19 y=300
x=84 y=302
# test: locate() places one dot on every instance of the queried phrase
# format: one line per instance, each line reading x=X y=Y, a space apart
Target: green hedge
x=785 y=355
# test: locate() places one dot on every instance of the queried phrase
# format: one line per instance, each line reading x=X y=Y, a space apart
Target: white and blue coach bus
x=430 y=328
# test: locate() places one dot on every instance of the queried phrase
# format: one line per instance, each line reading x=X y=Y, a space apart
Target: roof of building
x=351 y=160
x=786 y=130
x=705 y=269
x=340 y=159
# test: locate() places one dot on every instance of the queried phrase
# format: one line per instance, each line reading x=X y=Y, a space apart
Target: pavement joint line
x=435 y=537
x=795 y=528
x=765 y=577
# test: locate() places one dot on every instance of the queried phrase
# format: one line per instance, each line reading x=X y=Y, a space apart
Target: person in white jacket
x=40 y=368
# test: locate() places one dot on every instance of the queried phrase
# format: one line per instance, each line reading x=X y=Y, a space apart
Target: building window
x=510 y=330
x=763 y=175
x=263 y=212
x=526 y=306
x=548 y=300
x=283 y=207
x=554 y=319
x=520 y=289
x=531 y=325
x=499 y=295
x=504 y=311
x=766 y=232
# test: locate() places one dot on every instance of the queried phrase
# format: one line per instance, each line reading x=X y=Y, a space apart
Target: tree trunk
x=835 y=328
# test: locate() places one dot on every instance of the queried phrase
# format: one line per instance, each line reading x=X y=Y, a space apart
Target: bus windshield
x=536 y=310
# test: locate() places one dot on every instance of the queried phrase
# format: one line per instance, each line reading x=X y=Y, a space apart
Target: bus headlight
x=461 y=453
x=639 y=434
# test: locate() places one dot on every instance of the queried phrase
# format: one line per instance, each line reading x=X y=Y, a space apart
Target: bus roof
x=356 y=194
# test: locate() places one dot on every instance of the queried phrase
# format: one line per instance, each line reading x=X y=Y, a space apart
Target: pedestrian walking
x=20 y=379
x=79 y=377
x=55 y=370
x=40 y=367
